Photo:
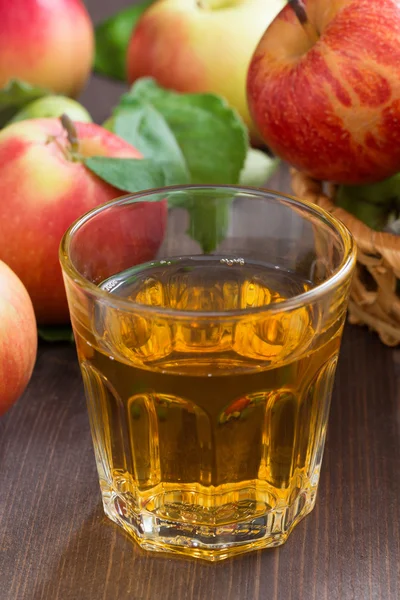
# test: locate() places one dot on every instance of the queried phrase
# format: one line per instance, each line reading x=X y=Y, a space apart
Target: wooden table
x=56 y=544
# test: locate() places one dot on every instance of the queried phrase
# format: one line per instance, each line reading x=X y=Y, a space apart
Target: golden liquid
x=209 y=422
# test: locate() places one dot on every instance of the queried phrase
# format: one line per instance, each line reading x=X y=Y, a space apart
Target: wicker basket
x=373 y=298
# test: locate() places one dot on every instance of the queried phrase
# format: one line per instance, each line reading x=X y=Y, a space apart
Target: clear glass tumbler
x=208 y=323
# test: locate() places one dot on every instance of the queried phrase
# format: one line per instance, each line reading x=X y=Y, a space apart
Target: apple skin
x=53 y=106
x=46 y=43
x=43 y=191
x=331 y=108
x=18 y=338
x=193 y=48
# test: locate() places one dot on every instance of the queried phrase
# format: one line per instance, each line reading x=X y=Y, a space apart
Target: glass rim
x=305 y=298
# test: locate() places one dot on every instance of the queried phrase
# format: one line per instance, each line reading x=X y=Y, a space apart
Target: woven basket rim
x=368 y=240
x=377 y=252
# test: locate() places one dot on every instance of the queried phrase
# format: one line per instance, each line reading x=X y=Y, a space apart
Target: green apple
x=258 y=168
x=373 y=203
x=201 y=46
x=53 y=106
x=109 y=124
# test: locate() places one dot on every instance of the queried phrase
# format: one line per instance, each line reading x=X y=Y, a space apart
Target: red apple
x=18 y=338
x=49 y=43
x=328 y=101
x=200 y=45
x=43 y=189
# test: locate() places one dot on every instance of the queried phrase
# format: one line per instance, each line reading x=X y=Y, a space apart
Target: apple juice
x=215 y=421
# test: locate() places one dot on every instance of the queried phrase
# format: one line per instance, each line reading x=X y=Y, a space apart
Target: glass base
x=212 y=543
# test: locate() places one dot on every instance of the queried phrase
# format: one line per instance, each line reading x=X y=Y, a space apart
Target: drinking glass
x=208 y=322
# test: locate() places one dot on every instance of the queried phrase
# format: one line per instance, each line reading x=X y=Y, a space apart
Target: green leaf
x=128 y=174
x=112 y=40
x=212 y=137
x=146 y=129
x=382 y=192
x=52 y=106
x=15 y=95
x=373 y=215
x=258 y=168
x=209 y=221
x=195 y=138
x=56 y=334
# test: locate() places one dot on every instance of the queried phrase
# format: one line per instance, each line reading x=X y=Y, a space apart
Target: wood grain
x=56 y=544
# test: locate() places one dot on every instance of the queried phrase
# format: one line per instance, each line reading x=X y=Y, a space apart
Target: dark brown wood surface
x=56 y=544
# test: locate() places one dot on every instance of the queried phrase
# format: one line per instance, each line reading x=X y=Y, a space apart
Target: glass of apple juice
x=208 y=322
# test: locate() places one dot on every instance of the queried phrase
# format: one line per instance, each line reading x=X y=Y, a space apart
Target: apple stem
x=71 y=132
x=300 y=11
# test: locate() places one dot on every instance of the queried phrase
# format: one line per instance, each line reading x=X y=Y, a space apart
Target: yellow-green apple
x=47 y=43
x=200 y=45
x=18 y=337
x=53 y=106
x=325 y=95
x=44 y=187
